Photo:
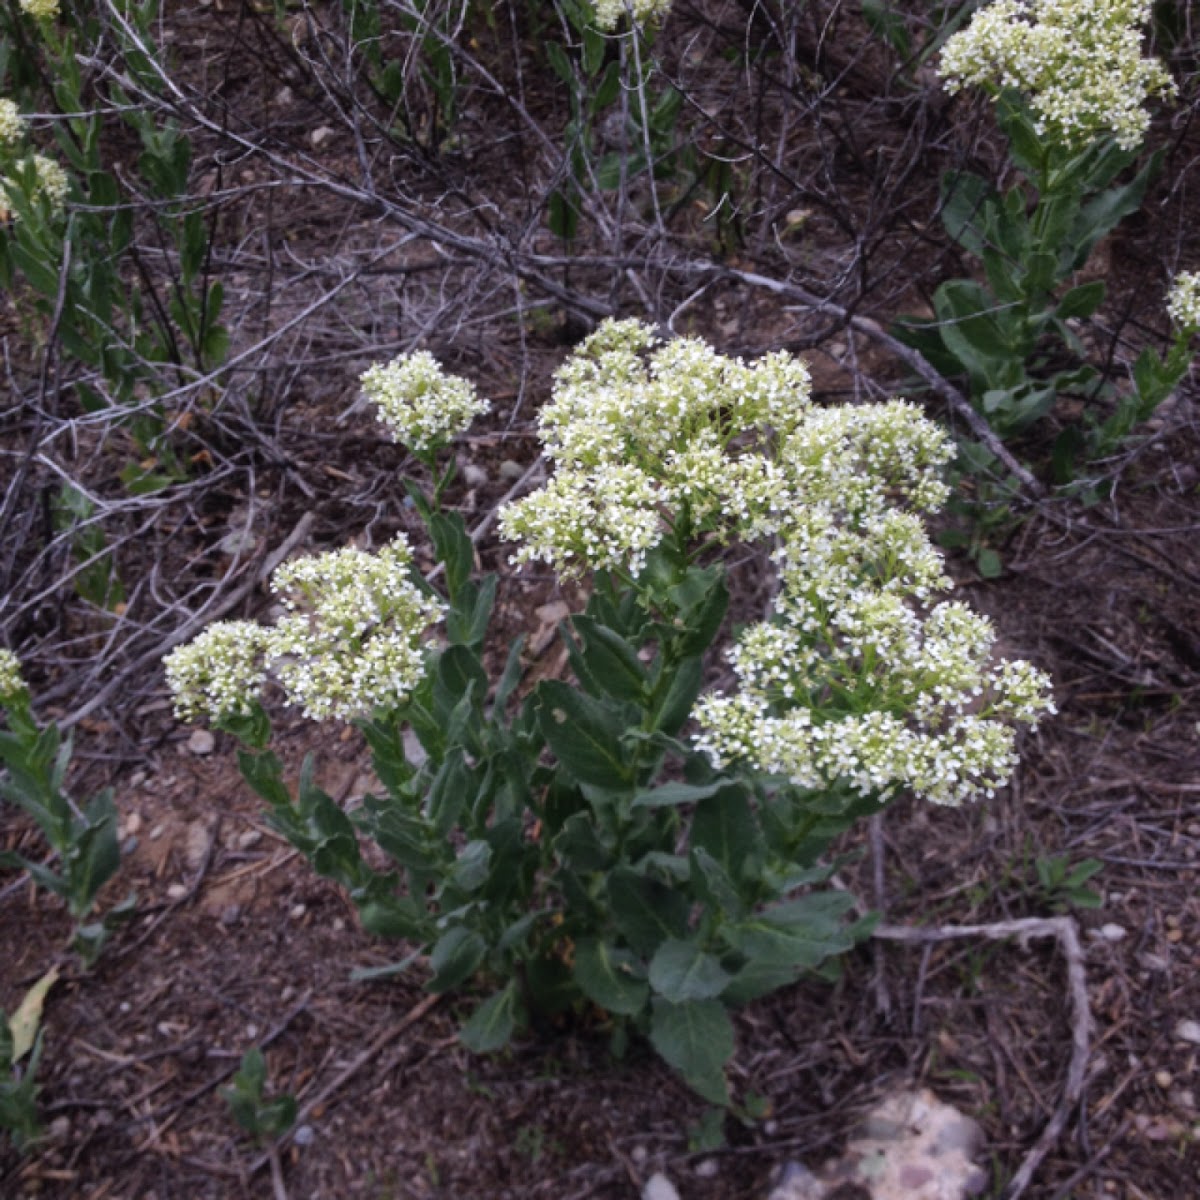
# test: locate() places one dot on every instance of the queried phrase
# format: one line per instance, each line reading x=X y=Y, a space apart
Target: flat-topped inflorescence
x=1078 y=63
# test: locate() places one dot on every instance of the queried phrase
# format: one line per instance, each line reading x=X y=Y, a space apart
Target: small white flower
x=1183 y=301
x=11 y=123
x=422 y=406
x=12 y=683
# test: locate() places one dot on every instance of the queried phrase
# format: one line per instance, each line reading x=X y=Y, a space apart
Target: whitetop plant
x=220 y=673
x=1183 y=301
x=860 y=685
x=40 y=10
x=422 y=406
x=353 y=638
x=12 y=126
x=12 y=682
x=1079 y=64
x=610 y=13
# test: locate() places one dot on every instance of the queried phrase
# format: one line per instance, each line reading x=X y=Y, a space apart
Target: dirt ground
x=236 y=942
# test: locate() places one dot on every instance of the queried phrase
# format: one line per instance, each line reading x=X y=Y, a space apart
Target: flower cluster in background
x=34 y=174
x=854 y=678
x=11 y=125
x=1183 y=301
x=40 y=10
x=609 y=13
x=351 y=640
x=1079 y=64
x=422 y=407
x=12 y=683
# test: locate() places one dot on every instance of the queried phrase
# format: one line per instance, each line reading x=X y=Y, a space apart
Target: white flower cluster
x=11 y=123
x=610 y=12
x=643 y=434
x=12 y=683
x=51 y=181
x=350 y=641
x=1183 y=301
x=423 y=407
x=220 y=673
x=40 y=10
x=855 y=679
x=876 y=697
x=1078 y=62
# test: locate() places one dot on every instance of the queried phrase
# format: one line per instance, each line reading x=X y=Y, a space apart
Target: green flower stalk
x=1079 y=64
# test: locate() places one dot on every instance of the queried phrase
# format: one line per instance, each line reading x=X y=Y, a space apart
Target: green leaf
x=724 y=824
x=1105 y=211
x=1081 y=301
x=696 y=1038
x=453 y=787
x=458 y=672
x=988 y=563
x=491 y=1025
x=681 y=695
x=584 y=734
x=467 y=622
x=454 y=548
x=668 y=795
x=963 y=197
x=456 y=956
x=579 y=845
x=646 y=911
x=681 y=971
x=610 y=977
x=611 y=661
x=713 y=883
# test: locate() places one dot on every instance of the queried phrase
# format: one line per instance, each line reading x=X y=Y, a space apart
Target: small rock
x=133 y=824
x=157 y=832
x=304 y=1135
x=1164 y=1079
x=176 y=891
x=707 y=1168
x=474 y=475
x=659 y=1187
x=320 y=135
x=60 y=1128
x=297 y=911
x=638 y=1155
x=511 y=470
x=201 y=742
x=230 y=914
x=248 y=838
x=196 y=844
x=1188 y=1031
x=1112 y=933
x=137 y=779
